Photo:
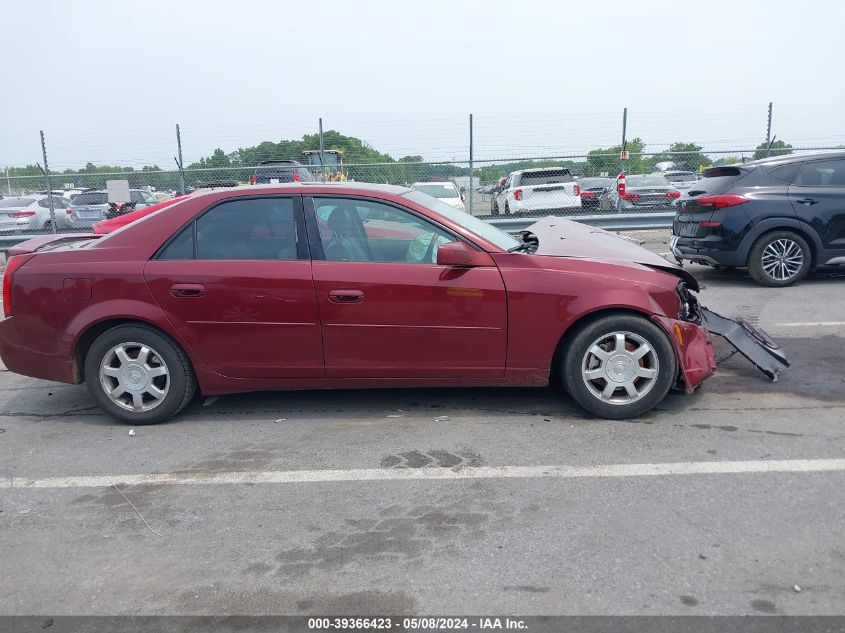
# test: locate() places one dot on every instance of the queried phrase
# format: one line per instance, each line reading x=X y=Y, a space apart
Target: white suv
x=543 y=189
x=445 y=191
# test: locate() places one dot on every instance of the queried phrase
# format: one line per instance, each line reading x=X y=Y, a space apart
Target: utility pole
x=322 y=162
x=624 y=132
x=470 y=165
x=769 y=130
x=47 y=182
x=179 y=160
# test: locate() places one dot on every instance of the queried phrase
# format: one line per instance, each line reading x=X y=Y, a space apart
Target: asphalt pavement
x=728 y=501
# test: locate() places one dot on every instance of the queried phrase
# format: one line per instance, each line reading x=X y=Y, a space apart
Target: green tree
x=778 y=149
x=607 y=160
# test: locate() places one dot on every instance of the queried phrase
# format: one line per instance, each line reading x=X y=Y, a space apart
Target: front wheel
x=779 y=258
x=619 y=366
x=138 y=375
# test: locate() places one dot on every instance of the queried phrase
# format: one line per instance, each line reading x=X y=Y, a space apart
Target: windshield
x=90 y=198
x=479 y=227
x=438 y=190
x=545 y=177
x=681 y=178
x=652 y=180
x=8 y=203
x=594 y=183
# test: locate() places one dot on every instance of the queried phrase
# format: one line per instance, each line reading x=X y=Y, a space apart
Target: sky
x=108 y=81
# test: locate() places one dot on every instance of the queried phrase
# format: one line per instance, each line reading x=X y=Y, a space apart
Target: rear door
x=236 y=283
x=818 y=196
x=387 y=309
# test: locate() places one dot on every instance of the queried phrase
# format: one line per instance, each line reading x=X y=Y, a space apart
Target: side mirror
x=459 y=254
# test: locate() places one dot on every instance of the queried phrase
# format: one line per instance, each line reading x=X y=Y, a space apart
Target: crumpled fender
x=693 y=349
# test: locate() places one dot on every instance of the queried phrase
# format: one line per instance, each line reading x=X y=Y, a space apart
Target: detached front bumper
x=694 y=348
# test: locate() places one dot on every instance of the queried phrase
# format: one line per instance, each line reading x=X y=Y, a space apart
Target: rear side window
x=785 y=173
x=716 y=180
x=182 y=247
x=822 y=173
x=545 y=177
x=255 y=228
x=90 y=198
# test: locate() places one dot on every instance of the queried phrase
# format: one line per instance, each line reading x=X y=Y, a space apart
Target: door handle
x=807 y=201
x=187 y=290
x=346 y=296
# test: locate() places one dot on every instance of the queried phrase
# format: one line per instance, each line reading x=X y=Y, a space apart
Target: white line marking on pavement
x=811 y=324
x=403 y=474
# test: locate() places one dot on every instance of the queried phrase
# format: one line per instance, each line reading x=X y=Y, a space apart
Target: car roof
x=433 y=182
x=788 y=158
x=309 y=188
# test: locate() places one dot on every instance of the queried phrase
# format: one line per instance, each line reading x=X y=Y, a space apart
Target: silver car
x=93 y=206
x=22 y=214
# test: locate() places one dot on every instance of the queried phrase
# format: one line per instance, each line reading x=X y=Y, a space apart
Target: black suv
x=778 y=216
x=278 y=171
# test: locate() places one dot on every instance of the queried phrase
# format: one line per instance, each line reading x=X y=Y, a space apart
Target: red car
x=107 y=226
x=350 y=285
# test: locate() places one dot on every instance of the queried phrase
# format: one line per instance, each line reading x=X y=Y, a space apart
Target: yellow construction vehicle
x=329 y=167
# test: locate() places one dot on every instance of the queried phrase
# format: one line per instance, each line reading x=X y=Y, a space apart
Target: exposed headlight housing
x=689 y=304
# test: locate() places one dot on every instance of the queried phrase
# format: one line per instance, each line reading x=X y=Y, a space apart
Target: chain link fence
x=568 y=186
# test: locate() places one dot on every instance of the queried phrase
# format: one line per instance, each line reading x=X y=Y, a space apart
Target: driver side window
x=358 y=230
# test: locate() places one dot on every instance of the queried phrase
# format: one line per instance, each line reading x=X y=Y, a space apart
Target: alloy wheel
x=134 y=376
x=782 y=259
x=620 y=368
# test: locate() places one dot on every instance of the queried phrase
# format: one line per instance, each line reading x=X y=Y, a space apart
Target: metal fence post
x=322 y=162
x=624 y=133
x=769 y=130
x=470 y=165
x=47 y=182
x=8 y=182
x=179 y=161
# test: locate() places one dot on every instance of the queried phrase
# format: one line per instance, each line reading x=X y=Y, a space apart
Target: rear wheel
x=619 y=366
x=779 y=258
x=138 y=375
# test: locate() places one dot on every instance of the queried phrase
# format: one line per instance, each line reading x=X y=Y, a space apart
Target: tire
x=494 y=208
x=507 y=209
x=136 y=376
x=650 y=376
x=779 y=259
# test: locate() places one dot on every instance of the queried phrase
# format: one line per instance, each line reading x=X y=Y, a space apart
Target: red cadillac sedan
x=347 y=285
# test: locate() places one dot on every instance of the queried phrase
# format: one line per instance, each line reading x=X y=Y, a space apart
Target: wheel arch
x=765 y=227
x=581 y=322
x=90 y=334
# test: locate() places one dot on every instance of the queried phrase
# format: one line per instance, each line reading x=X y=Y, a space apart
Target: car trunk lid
x=51 y=242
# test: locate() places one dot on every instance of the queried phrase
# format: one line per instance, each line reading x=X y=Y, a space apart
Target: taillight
x=710 y=224
x=254 y=179
x=630 y=196
x=587 y=194
x=673 y=194
x=12 y=264
x=517 y=194
x=722 y=201
x=577 y=190
x=22 y=214
x=296 y=177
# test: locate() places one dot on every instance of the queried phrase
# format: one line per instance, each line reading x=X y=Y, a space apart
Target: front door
x=236 y=283
x=818 y=196
x=388 y=310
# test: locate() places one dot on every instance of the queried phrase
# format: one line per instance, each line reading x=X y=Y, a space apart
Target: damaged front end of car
x=746 y=339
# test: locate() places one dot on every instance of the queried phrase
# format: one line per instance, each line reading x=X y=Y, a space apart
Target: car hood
x=559 y=237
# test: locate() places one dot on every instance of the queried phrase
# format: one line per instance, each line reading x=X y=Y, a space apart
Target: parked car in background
x=640 y=192
x=681 y=180
x=435 y=297
x=592 y=187
x=107 y=226
x=280 y=171
x=445 y=191
x=22 y=214
x=545 y=189
x=94 y=206
x=779 y=217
